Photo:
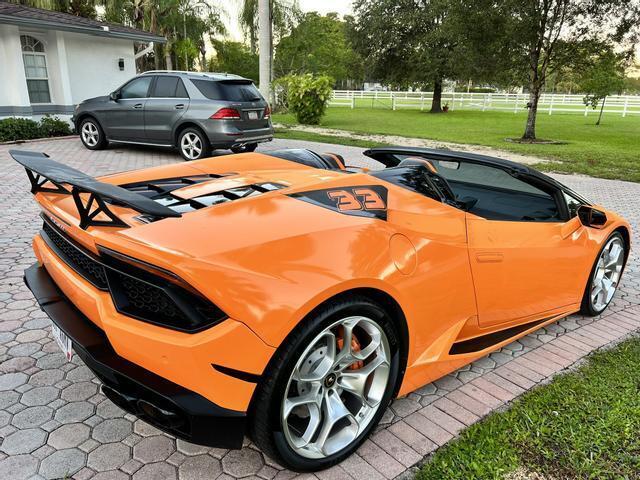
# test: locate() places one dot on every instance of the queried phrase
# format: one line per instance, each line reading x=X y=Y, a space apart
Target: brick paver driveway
x=55 y=423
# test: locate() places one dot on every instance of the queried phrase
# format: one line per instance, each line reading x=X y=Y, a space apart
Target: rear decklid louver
x=165 y=192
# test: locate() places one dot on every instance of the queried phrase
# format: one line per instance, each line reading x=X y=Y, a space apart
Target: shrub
x=307 y=97
x=12 y=129
x=53 y=127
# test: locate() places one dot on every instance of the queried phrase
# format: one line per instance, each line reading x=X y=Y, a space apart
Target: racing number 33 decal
x=361 y=200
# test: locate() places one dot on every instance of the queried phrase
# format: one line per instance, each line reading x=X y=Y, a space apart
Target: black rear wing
x=41 y=170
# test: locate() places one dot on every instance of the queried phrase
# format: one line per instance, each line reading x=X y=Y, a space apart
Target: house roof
x=11 y=13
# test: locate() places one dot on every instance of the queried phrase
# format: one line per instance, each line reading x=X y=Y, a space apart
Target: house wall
x=79 y=67
x=93 y=65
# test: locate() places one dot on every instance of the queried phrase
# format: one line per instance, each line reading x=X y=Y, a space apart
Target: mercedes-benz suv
x=191 y=111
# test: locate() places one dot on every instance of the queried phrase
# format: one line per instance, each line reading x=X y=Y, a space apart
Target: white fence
x=515 y=102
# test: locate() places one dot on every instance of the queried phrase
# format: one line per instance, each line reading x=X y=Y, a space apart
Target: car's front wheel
x=193 y=144
x=605 y=276
x=91 y=134
x=328 y=386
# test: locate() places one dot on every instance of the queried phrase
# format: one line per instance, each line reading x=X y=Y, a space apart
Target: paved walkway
x=55 y=423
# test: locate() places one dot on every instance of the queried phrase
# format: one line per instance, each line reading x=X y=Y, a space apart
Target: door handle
x=137 y=105
x=489 y=257
x=180 y=106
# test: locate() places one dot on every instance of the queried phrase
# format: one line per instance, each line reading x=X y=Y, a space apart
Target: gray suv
x=195 y=112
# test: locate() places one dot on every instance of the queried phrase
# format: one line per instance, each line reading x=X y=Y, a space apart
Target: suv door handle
x=137 y=105
x=180 y=106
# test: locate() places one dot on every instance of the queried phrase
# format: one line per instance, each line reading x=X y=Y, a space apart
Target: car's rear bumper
x=167 y=405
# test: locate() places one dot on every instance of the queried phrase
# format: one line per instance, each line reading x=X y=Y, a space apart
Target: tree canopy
x=319 y=45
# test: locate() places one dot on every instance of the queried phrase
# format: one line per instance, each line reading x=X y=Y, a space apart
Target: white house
x=50 y=61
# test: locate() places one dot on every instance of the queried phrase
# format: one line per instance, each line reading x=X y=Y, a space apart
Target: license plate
x=253 y=115
x=64 y=342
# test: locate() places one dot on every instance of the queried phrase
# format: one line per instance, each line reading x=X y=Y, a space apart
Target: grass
x=611 y=150
x=583 y=425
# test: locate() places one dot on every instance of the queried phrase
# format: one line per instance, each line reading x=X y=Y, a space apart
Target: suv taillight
x=226 y=114
x=267 y=111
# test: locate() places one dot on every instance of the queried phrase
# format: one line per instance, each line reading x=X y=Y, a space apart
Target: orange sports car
x=289 y=297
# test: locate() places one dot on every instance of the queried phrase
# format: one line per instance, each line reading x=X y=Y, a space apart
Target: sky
x=322 y=6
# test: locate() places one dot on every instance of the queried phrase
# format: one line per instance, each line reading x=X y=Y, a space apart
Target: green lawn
x=584 y=425
x=611 y=150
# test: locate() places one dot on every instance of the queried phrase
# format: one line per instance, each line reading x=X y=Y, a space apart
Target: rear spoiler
x=42 y=170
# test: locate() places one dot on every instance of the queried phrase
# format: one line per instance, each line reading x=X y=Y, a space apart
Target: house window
x=35 y=69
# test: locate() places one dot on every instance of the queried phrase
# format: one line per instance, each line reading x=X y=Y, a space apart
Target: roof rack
x=186 y=72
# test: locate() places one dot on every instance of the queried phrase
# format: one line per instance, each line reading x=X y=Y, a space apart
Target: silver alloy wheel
x=90 y=134
x=191 y=145
x=336 y=388
x=607 y=274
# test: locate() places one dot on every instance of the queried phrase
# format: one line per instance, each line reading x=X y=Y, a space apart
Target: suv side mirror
x=591 y=217
x=114 y=96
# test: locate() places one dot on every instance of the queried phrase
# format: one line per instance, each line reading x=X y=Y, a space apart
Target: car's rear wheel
x=327 y=386
x=91 y=134
x=605 y=276
x=247 y=147
x=193 y=144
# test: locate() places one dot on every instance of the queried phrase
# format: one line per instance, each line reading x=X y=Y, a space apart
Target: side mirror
x=114 y=96
x=591 y=217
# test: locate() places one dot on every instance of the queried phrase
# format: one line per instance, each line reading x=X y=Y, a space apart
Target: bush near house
x=13 y=128
x=307 y=96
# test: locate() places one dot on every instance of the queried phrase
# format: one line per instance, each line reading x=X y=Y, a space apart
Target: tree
x=266 y=51
x=604 y=77
x=283 y=15
x=234 y=57
x=407 y=42
x=184 y=23
x=319 y=45
x=540 y=35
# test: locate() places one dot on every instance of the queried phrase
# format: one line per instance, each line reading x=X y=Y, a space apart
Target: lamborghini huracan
x=290 y=297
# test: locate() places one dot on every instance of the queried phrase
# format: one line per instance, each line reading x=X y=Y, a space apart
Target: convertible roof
x=386 y=156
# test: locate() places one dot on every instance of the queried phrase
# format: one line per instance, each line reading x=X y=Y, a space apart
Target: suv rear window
x=231 y=91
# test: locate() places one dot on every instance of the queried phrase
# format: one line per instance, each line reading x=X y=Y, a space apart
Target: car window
x=231 y=91
x=181 y=92
x=169 y=87
x=137 y=88
x=494 y=194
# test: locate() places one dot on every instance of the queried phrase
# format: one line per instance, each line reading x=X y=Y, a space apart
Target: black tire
x=587 y=307
x=266 y=428
x=197 y=139
x=249 y=147
x=91 y=134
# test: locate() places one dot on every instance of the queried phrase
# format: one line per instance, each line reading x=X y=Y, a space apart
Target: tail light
x=226 y=114
x=267 y=111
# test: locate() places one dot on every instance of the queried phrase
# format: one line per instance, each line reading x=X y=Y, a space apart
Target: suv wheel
x=92 y=135
x=193 y=145
x=247 y=147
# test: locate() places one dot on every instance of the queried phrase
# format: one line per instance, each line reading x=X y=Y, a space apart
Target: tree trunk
x=436 y=103
x=264 y=21
x=604 y=99
x=167 y=56
x=534 y=97
x=156 y=56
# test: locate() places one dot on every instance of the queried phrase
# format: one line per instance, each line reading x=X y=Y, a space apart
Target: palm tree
x=283 y=14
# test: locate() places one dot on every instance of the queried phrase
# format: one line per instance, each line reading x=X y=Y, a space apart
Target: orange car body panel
x=269 y=260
